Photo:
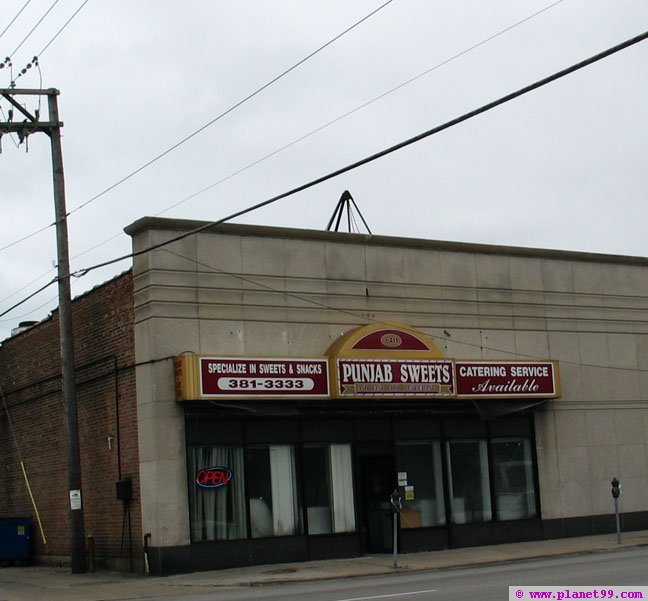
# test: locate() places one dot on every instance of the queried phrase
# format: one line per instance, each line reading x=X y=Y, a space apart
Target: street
x=625 y=567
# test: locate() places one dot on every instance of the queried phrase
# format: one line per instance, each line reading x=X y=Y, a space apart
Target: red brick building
x=30 y=377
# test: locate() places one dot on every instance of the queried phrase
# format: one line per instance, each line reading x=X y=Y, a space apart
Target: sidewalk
x=58 y=584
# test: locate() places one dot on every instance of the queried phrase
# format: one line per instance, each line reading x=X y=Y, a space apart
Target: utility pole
x=52 y=127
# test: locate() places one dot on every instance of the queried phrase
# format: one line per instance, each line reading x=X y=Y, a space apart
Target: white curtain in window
x=341 y=488
x=528 y=472
x=439 y=504
x=209 y=459
x=284 y=492
x=217 y=514
x=230 y=501
x=457 y=503
x=485 y=484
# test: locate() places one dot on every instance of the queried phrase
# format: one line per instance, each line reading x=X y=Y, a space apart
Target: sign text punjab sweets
x=263 y=378
x=393 y=378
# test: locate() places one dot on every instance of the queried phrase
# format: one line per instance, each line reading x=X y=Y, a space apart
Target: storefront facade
x=288 y=381
x=308 y=471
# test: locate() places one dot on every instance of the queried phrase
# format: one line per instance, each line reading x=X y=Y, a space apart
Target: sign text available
x=499 y=379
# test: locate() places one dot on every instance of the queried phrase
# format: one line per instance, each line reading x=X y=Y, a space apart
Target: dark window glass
x=317 y=489
x=468 y=481
x=513 y=478
x=420 y=464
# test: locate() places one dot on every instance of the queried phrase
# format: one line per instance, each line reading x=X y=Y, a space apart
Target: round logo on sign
x=391 y=340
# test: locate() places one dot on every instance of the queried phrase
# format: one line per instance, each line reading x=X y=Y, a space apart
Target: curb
x=412 y=570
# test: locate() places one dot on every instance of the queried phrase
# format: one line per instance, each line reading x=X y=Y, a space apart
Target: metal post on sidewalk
x=396 y=506
x=616 y=493
x=395 y=520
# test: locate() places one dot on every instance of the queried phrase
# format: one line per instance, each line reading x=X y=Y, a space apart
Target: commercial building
x=289 y=381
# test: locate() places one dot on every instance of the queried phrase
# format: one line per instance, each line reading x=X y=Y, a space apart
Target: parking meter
x=395 y=502
x=396 y=507
x=616 y=493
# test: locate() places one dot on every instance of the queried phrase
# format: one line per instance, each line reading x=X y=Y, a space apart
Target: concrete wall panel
x=587 y=312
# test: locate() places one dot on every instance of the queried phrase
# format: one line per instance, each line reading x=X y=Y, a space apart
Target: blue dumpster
x=15 y=534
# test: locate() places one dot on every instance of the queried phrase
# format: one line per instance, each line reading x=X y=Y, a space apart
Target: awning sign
x=386 y=360
x=263 y=378
x=393 y=377
x=500 y=379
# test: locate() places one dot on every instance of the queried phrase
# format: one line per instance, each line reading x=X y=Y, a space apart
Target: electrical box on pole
x=30 y=124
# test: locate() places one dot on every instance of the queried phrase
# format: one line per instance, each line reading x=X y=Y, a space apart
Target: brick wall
x=107 y=416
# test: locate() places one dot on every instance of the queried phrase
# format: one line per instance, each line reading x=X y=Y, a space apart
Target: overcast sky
x=564 y=167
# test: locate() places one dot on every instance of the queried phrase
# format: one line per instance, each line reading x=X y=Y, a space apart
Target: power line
x=229 y=110
x=16 y=144
x=336 y=120
x=47 y=12
x=42 y=275
x=248 y=280
x=361 y=106
x=361 y=317
x=214 y=120
x=27 y=237
x=435 y=130
x=18 y=317
x=448 y=124
x=34 y=61
x=76 y=12
x=32 y=295
x=12 y=20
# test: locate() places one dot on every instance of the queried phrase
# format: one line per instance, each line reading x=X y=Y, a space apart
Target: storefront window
x=513 y=478
x=328 y=487
x=421 y=462
x=217 y=513
x=272 y=491
x=468 y=481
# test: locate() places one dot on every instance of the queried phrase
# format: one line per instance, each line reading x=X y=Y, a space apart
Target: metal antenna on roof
x=346 y=203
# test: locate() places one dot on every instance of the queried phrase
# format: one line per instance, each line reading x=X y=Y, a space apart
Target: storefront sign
x=375 y=361
x=393 y=377
x=263 y=378
x=500 y=379
x=214 y=477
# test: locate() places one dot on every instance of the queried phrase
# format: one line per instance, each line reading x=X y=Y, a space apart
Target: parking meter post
x=395 y=528
x=396 y=506
x=616 y=493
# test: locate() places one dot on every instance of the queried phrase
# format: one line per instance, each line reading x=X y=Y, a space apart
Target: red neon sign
x=213 y=477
